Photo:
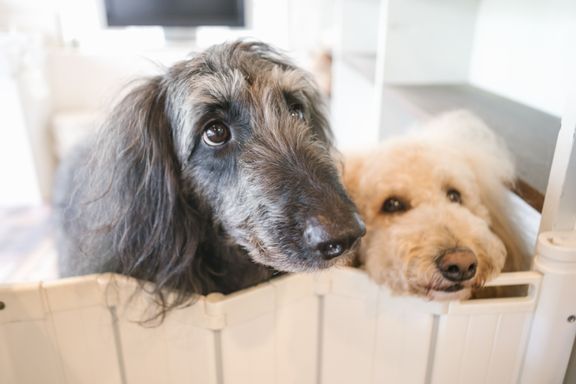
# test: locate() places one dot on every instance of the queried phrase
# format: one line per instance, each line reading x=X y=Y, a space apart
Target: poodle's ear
x=507 y=227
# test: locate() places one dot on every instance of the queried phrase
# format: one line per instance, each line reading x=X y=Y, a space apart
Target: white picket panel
x=271 y=333
x=7 y=374
x=348 y=341
x=335 y=327
x=29 y=350
x=404 y=338
x=349 y=310
x=370 y=336
x=509 y=345
x=297 y=330
x=180 y=350
x=248 y=342
x=33 y=354
x=172 y=353
x=483 y=341
x=84 y=330
x=86 y=344
x=375 y=337
x=480 y=348
x=191 y=354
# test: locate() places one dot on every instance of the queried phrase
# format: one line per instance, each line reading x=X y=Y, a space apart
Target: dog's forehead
x=259 y=65
x=240 y=90
x=236 y=86
x=416 y=170
x=248 y=57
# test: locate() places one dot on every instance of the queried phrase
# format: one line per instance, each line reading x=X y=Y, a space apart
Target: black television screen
x=175 y=13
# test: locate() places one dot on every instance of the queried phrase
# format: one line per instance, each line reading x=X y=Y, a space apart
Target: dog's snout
x=330 y=239
x=457 y=264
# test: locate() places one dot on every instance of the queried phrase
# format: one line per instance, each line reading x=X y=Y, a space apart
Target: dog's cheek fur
x=272 y=225
x=285 y=176
x=402 y=254
x=382 y=252
x=239 y=207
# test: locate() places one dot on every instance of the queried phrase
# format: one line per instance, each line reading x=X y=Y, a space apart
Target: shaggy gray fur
x=150 y=199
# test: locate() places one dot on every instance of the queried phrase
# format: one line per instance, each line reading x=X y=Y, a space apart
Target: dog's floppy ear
x=153 y=231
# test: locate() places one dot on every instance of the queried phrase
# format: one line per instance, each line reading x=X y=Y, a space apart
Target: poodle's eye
x=394 y=205
x=454 y=195
x=297 y=111
x=216 y=133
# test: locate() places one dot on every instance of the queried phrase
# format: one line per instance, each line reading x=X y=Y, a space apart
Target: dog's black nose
x=457 y=264
x=331 y=239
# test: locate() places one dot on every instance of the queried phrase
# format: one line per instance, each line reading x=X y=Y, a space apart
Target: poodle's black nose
x=331 y=239
x=457 y=264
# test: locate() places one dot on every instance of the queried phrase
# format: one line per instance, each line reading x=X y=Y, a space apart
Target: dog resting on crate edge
x=436 y=204
x=211 y=177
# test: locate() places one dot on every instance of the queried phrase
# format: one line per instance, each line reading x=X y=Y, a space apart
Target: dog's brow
x=214 y=98
x=229 y=110
x=293 y=96
x=220 y=105
x=211 y=110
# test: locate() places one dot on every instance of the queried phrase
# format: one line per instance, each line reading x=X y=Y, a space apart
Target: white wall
x=423 y=42
x=25 y=158
x=356 y=27
x=30 y=16
x=19 y=181
x=520 y=49
x=526 y=50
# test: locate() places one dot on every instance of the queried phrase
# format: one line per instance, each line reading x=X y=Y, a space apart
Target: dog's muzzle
x=330 y=239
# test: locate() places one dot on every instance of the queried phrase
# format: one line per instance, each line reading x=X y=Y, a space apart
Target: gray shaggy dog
x=211 y=177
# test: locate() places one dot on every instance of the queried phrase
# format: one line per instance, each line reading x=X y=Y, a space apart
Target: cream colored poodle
x=435 y=203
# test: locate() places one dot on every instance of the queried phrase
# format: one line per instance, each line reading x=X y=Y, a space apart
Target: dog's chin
x=299 y=261
x=451 y=292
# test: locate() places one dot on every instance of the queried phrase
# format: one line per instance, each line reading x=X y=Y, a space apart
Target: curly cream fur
x=455 y=150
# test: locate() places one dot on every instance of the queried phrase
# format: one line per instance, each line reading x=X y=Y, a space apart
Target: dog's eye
x=454 y=195
x=216 y=134
x=393 y=205
x=297 y=111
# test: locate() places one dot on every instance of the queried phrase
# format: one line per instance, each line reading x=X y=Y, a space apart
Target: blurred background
x=382 y=64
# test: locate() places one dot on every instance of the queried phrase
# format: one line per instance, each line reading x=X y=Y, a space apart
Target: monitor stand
x=180 y=35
